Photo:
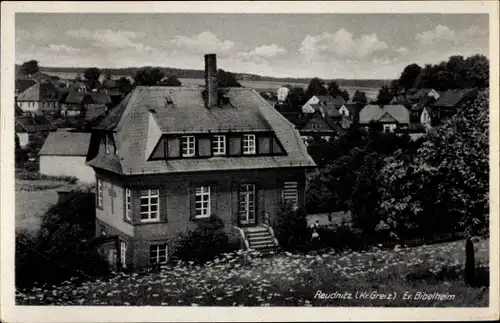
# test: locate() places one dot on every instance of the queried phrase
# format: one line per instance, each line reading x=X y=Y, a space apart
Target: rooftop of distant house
x=384 y=113
x=66 y=144
x=451 y=98
x=33 y=124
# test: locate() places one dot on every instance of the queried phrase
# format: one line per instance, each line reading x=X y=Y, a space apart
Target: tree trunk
x=470 y=265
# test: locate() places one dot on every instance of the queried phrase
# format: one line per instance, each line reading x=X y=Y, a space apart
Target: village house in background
x=391 y=117
x=323 y=101
x=324 y=123
x=42 y=97
x=29 y=127
x=169 y=157
x=64 y=154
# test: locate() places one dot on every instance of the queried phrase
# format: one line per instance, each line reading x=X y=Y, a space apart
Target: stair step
x=262 y=237
x=256 y=230
x=258 y=234
x=262 y=244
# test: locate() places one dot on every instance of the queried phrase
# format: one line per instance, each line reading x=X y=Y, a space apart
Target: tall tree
x=296 y=98
x=477 y=71
x=384 y=96
x=424 y=79
x=125 y=85
x=365 y=195
x=316 y=87
x=359 y=97
x=30 y=67
x=409 y=76
x=334 y=90
x=172 y=80
x=149 y=76
x=92 y=74
x=227 y=79
x=453 y=164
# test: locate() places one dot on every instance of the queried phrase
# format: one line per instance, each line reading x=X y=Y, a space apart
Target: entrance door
x=247 y=204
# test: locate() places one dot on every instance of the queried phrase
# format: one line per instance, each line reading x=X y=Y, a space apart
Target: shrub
x=62 y=249
x=290 y=228
x=34 y=175
x=204 y=243
x=342 y=237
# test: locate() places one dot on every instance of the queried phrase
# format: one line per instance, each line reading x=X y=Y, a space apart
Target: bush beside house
x=208 y=240
x=63 y=247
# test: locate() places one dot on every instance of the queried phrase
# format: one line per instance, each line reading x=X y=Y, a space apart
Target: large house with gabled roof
x=167 y=158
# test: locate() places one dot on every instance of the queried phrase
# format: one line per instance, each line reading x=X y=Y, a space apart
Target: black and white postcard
x=249 y=161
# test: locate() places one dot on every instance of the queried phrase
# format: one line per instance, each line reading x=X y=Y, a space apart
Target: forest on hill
x=200 y=74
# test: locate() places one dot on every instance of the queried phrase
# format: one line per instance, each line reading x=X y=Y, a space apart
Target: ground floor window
x=158 y=254
x=202 y=201
x=123 y=253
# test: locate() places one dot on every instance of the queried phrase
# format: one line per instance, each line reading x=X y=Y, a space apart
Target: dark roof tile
x=66 y=144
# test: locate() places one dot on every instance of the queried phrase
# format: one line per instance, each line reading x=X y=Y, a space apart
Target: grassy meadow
x=289 y=279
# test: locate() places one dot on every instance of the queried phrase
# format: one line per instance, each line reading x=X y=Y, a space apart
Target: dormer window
x=188 y=146
x=248 y=144
x=219 y=145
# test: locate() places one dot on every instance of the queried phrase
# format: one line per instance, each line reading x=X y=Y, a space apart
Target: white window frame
x=288 y=199
x=156 y=258
x=152 y=216
x=99 y=192
x=248 y=203
x=390 y=127
x=219 y=145
x=128 y=204
x=249 y=144
x=123 y=253
x=188 y=146
x=202 y=202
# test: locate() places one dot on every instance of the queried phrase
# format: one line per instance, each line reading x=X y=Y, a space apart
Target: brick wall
x=177 y=203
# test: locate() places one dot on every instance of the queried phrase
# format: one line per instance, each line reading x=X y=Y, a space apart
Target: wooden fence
x=415 y=241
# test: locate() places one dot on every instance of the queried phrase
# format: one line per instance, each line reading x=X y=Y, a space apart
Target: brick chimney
x=211 y=81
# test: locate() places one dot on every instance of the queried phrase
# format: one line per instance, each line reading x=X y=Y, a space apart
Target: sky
x=358 y=46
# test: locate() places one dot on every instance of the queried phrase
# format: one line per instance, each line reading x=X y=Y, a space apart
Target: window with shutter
x=291 y=194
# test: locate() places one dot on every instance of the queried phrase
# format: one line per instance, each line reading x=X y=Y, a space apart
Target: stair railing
x=243 y=237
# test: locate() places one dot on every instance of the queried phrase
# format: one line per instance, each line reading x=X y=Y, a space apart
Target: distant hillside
x=199 y=74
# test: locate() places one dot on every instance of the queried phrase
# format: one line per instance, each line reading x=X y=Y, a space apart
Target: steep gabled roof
x=32 y=124
x=66 y=144
x=23 y=84
x=452 y=98
x=46 y=92
x=76 y=97
x=182 y=109
x=375 y=112
x=338 y=100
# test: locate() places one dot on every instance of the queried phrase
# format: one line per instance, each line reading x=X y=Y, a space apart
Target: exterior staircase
x=261 y=238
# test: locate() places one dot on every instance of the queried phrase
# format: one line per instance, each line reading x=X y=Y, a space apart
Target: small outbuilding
x=64 y=154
